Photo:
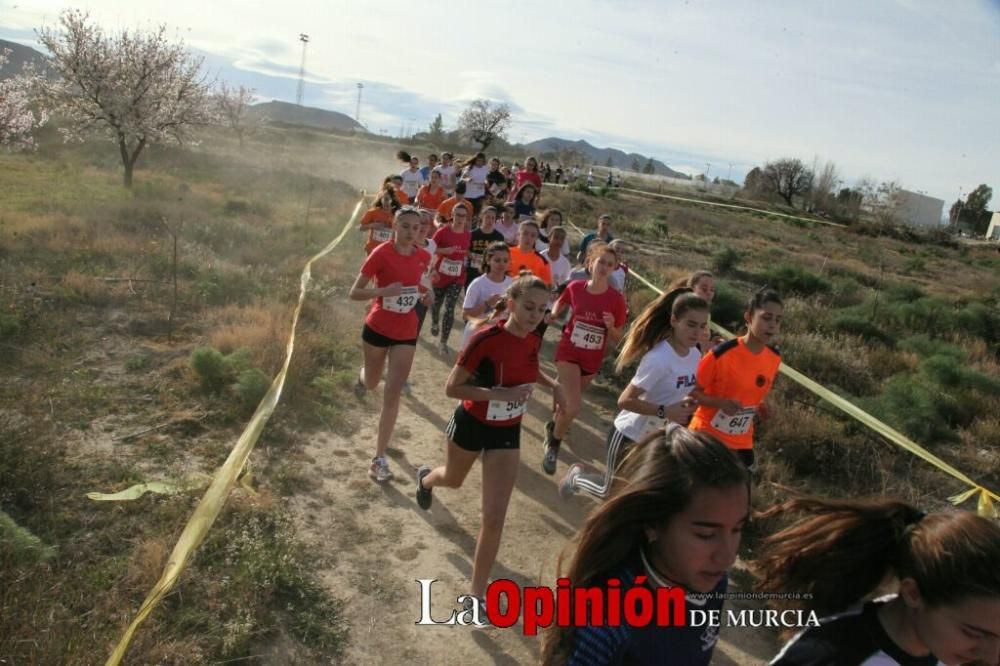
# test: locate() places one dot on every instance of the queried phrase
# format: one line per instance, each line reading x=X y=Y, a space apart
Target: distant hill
x=19 y=55
x=293 y=114
x=619 y=159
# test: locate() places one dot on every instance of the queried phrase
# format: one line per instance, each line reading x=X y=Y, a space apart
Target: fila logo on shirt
x=686 y=381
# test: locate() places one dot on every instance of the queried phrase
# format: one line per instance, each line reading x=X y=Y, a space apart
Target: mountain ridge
x=619 y=158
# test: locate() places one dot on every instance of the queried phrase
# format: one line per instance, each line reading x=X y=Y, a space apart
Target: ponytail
x=843 y=549
x=654 y=323
x=403 y=156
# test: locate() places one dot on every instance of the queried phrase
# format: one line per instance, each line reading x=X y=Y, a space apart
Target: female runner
x=735 y=377
x=665 y=336
x=452 y=246
x=474 y=175
x=493 y=377
x=377 y=220
x=486 y=291
x=946 y=605
x=483 y=236
x=390 y=331
x=677 y=522
x=598 y=316
x=431 y=195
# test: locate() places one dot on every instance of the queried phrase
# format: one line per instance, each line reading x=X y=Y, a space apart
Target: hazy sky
x=899 y=89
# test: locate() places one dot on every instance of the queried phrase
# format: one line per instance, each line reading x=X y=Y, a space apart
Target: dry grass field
x=107 y=381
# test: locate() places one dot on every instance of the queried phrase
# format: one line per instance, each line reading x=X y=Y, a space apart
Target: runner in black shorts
x=493 y=377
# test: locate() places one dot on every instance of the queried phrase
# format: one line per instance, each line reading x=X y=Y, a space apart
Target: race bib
x=734 y=424
x=403 y=303
x=502 y=410
x=587 y=336
x=452 y=267
x=475 y=260
x=381 y=235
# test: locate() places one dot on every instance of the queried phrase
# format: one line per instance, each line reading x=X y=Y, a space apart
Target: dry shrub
x=87 y=288
x=147 y=562
x=263 y=329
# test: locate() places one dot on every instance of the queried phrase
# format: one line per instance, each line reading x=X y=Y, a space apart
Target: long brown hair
x=662 y=474
x=841 y=550
x=653 y=323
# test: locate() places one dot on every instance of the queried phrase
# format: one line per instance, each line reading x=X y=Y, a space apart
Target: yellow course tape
x=985 y=505
x=215 y=497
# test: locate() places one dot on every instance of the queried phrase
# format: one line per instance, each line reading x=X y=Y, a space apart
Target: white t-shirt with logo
x=560 y=267
x=478 y=292
x=476 y=185
x=447 y=177
x=666 y=379
x=412 y=180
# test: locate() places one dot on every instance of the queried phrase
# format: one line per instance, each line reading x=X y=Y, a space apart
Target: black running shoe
x=424 y=496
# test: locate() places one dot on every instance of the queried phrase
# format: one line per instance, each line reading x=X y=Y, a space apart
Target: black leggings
x=447 y=296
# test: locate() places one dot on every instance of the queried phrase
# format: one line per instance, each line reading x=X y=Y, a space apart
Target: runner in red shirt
x=448 y=277
x=390 y=330
x=493 y=378
x=598 y=316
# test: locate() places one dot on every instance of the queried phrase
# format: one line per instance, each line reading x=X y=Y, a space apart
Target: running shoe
x=551 y=449
x=359 y=387
x=567 y=487
x=549 y=461
x=379 y=469
x=435 y=331
x=484 y=618
x=407 y=389
x=443 y=348
x=424 y=496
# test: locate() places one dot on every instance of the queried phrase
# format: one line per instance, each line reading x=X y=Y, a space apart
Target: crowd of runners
x=675 y=488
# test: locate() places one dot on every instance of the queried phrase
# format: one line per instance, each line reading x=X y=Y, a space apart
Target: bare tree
x=787 y=178
x=827 y=180
x=18 y=120
x=484 y=121
x=232 y=105
x=135 y=88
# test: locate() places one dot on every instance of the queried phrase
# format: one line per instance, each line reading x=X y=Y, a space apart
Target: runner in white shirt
x=448 y=171
x=665 y=335
x=483 y=293
x=554 y=252
x=474 y=174
x=413 y=180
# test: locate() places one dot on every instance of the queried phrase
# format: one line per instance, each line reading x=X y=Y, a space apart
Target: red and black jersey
x=497 y=358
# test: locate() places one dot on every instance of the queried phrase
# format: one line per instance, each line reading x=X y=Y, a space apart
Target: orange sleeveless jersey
x=731 y=371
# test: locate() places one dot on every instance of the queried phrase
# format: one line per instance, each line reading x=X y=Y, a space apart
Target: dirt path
x=378 y=541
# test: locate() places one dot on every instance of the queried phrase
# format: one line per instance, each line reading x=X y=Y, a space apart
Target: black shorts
x=477 y=204
x=379 y=340
x=471 y=434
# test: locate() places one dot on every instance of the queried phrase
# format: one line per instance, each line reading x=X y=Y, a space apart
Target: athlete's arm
x=361 y=292
x=460 y=388
x=630 y=400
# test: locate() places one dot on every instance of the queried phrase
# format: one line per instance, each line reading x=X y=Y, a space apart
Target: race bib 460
x=381 y=235
x=452 y=267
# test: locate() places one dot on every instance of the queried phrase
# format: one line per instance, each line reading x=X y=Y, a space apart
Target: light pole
x=708 y=167
x=730 y=176
x=304 y=38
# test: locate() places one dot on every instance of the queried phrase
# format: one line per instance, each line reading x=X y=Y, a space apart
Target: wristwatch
x=661 y=412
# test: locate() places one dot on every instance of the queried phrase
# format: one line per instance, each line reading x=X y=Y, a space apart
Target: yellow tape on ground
x=215 y=497
x=985 y=505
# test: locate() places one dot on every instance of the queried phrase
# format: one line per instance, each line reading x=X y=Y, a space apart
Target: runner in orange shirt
x=432 y=194
x=377 y=220
x=444 y=210
x=524 y=257
x=736 y=376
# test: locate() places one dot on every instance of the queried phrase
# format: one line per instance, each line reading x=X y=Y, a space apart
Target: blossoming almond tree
x=136 y=88
x=232 y=106
x=17 y=117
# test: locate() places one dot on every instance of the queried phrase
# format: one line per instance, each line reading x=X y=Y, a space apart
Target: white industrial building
x=918 y=210
x=993 y=232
